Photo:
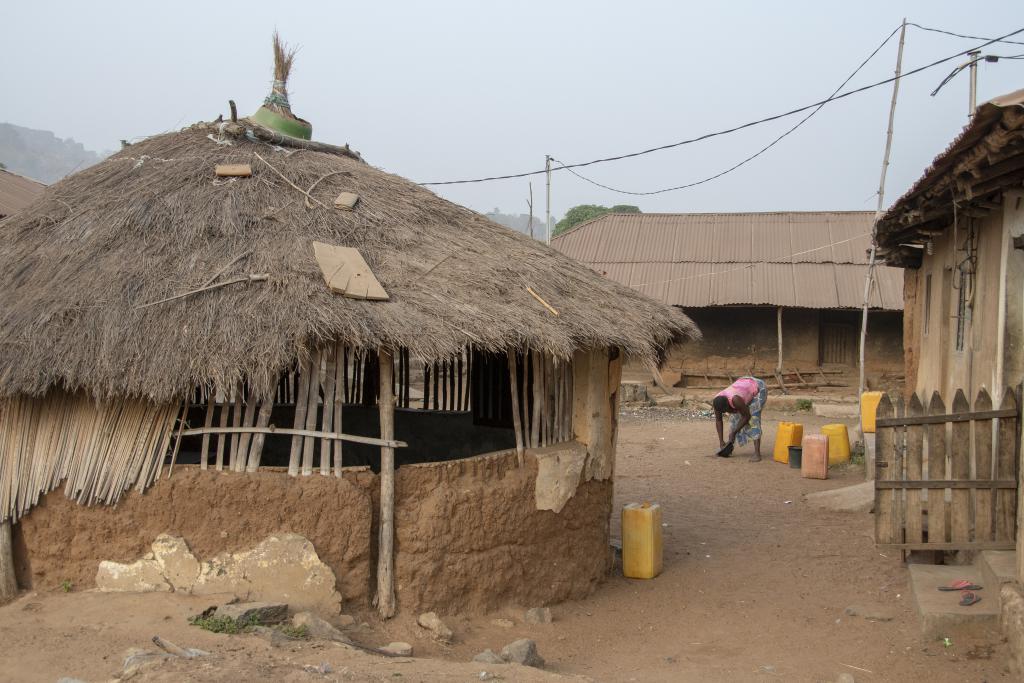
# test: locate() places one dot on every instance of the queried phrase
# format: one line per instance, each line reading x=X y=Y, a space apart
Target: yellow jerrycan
x=788 y=434
x=838 y=443
x=641 y=540
x=869 y=401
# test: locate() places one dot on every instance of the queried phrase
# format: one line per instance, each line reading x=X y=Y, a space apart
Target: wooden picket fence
x=947 y=481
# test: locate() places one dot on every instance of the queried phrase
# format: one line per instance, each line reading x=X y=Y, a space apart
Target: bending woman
x=744 y=399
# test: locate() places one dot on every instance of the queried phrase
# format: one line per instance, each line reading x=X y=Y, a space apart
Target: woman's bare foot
x=756 y=457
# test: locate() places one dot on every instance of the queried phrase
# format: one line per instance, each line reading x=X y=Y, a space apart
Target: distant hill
x=520 y=222
x=41 y=155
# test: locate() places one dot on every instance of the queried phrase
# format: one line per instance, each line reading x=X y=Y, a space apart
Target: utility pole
x=975 y=56
x=874 y=232
x=547 y=219
x=530 y=204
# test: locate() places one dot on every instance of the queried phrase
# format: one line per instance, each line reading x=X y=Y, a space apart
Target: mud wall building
x=751 y=281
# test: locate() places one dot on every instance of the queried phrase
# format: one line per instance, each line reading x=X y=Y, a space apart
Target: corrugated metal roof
x=800 y=259
x=17 y=192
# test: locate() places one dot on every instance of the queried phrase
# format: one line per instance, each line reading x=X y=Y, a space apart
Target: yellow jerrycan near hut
x=641 y=540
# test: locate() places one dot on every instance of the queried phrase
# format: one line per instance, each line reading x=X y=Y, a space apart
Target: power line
x=961 y=35
x=734 y=129
x=754 y=155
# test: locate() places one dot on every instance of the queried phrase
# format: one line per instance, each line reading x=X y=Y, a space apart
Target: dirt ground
x=754 y=589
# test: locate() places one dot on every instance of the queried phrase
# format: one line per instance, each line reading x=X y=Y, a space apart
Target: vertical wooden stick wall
x=386 y=546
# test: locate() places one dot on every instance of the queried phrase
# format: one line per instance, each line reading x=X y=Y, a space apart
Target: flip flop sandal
x=968 y=599
x=961 y=585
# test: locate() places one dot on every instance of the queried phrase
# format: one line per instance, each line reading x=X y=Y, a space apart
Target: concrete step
x=941 y=616
x=997 y=567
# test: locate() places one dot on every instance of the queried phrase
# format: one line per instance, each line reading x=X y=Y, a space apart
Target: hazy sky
x=448 y=90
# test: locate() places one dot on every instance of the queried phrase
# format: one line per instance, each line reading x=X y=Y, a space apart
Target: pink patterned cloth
x=745 y=387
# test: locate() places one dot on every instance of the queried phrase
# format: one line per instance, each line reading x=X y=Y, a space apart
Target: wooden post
x=778 y=366
x=225 y=408
x=960 y=463
x=300 y=420
x=8 y=582
x=386 y=546
x=245 y=439
x=983 y=499
x=1006 y=456
x=538 y=381
x=936 y=470
x=885 y=518
x=312 y=408
x=329 y=378
x=340 y=356
x=517 y=421
x=915 y=446
x=236 y=420
x=207 y=422
x=262 y=421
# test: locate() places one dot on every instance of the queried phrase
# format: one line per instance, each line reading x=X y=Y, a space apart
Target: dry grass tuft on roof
x=78 y=268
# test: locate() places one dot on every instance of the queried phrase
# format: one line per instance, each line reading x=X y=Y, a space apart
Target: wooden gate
x=947 y=481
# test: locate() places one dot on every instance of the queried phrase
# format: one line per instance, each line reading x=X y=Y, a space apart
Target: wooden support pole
x=312 y=408
x=8 y=582
x=537 y=361
x=262 y=422
x=330 y=372
x=517 y=420
x=386 y=546
x=208 y=422
x=300 y=420
x=225 y=408
x=778 y=366
x=246 y=437
x=236 y=420
x=340 y=356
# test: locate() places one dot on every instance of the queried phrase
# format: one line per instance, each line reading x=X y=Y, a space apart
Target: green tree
x=585 y=212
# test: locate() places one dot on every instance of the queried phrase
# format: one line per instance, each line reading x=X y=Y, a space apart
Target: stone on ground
x=318 y=628
x=137 y=660
x=870 y=613
x=503 y=623
x=489 y=656
x=398 y=649
x=262 y=613
x=856 y=498
x=142 y=576
x=523 y=651
x=433 y=623
x=845 y=678
x=272 y=636
x=538 y=615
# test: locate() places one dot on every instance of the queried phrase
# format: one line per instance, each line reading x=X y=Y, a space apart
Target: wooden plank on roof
x=233 y=170
x=346 y=273
x=346 y=201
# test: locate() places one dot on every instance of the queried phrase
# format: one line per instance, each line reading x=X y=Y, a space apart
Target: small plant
x=300 y=632
x=804 y=404
x=66 y=586
x=215 y=624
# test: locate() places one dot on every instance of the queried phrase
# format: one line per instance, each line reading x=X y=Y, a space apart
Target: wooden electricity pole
x=547 y=210
x=874 y=228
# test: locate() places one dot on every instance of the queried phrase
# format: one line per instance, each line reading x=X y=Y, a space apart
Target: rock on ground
x=845 y=678
x=318 y=628
x=272 y=636
x=489 y=656
x=255 y=612
x=433 y=623
x=503 y=623
x=399 y=649
x=538 y=615
x=177 y=563
x=523 y=651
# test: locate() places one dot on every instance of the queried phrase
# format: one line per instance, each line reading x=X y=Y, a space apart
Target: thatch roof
x=154 y=221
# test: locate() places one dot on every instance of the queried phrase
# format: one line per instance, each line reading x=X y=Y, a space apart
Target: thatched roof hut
x=180 y=299
x=78 y=267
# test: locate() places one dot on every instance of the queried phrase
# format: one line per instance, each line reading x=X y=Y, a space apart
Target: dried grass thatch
x=154 y=221
x=284 y=58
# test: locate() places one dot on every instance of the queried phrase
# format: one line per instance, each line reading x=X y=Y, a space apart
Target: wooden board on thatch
x=346 y=272
x=346 y=201
x=233 y=170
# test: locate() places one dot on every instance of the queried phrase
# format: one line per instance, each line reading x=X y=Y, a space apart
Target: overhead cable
x=734 y=129
x=755 y=154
